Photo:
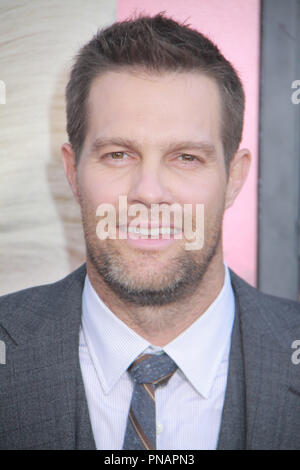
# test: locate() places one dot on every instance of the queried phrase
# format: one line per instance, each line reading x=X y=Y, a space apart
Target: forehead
x=165 y=105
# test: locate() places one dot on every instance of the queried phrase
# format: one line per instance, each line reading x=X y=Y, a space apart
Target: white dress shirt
x=189 y=407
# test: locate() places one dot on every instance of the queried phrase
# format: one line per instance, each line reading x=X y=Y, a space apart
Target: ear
x=69 y=162
x=238 y=172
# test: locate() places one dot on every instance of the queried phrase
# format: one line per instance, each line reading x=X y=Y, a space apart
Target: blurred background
x=40 y=231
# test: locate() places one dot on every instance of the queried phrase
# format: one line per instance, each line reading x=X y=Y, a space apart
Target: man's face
x=161 y=145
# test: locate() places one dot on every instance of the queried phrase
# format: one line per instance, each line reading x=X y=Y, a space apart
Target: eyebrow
x=206 y=148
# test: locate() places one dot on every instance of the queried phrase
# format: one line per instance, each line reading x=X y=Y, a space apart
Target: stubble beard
x=177 y=280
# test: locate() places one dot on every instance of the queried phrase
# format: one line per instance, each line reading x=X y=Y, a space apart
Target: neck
x=161 y=324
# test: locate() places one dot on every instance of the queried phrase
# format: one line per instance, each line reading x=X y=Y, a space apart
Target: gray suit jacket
x=42 y=398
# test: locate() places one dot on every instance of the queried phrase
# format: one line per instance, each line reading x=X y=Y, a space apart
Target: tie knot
x=152 y=368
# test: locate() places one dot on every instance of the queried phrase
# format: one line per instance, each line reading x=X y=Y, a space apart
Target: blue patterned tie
x=147 y=372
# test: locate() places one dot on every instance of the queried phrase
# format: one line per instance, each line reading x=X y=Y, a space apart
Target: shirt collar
x=198 y=351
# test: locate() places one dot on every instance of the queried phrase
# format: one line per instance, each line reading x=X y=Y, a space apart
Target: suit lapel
x=81 y=425
x=232 y=433
x=265 y=369
x=84 y=439
x=82 y=430
x=266 y=374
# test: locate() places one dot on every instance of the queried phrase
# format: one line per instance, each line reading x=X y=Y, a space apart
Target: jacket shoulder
x=279 y=312
x=38 y=296
x=25 y=312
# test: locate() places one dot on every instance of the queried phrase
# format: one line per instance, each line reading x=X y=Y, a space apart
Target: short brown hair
x=157 y=44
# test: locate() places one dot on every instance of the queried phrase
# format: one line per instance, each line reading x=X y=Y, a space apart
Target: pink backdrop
x=234 y=25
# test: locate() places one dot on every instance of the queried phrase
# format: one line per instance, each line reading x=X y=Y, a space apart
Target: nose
x=150 y=186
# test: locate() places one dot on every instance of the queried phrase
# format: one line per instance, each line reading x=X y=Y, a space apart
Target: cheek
x=97 y=189
x=209 y=192
x=201 y=191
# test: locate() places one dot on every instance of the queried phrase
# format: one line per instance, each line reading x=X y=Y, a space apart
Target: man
x=155 y=115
